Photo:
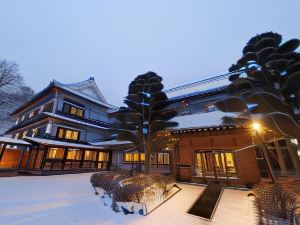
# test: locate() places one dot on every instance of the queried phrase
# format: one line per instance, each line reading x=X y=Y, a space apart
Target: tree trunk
x=147 y=168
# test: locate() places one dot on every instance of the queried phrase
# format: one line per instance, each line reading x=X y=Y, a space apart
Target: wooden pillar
x=97 y=159
x=2 y=151
x=29 y=157
x=35 y=157
x=44 y=158
x=64 y=159
x=21 y=158
x=82 y=159
x=109 y=160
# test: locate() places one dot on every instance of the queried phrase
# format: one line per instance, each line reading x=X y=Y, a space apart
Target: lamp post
x=258 y=129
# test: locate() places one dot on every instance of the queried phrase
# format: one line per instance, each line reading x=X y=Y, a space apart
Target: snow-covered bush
x=132 y=194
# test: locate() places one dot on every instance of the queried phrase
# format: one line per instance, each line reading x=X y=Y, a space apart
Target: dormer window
x=31 y=114
x=73 y=110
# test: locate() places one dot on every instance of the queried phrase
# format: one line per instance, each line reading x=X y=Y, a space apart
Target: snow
x=201 y=120
x=60 y=143
x=9 y=140
x=200 y=87
x=83 y=95
x=88 y=87
x=204 y=84
x=74 y=120
x=70 y=200
x=112 y=142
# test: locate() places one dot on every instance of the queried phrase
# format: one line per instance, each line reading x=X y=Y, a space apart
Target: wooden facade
x=223 y=153
x=40 y=160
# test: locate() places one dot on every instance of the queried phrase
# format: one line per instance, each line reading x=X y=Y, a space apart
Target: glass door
x=214 y=164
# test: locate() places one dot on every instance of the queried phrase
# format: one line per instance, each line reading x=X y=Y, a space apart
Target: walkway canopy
x=13 y=141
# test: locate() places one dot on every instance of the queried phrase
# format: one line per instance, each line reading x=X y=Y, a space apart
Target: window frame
x=68 y=107
x=64 y=130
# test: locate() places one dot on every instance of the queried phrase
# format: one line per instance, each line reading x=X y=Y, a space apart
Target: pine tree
x=145 y=116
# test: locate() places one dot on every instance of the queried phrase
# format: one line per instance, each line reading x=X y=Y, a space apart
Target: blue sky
x=116 y=40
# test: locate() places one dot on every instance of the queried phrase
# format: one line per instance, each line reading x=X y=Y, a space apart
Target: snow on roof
x=112 y=142
x=201 y=120
x=13 y=141
x=200 y=85
x=86 y=89
x=60 y=143
x=74 y=120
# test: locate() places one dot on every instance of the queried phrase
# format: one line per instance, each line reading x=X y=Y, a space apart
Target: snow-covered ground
x=70 y=199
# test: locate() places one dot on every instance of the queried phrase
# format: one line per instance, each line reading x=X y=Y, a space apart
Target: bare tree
x=13 y=92
x=12 y=87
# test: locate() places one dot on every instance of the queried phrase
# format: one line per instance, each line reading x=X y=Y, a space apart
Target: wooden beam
x=2 y=151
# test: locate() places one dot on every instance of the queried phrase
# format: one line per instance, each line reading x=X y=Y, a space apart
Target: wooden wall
x=229 y=139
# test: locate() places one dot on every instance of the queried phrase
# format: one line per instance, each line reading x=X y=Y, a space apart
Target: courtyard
x=70 y=199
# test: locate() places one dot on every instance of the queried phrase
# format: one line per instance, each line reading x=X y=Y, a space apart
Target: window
x=103 y=156
x=17 y=136
x=56 y=153
x=24 y=134
x=31 y=114
x=64 y=133
x=35 y=132
x=163 y=159
x=90 y=155
x=294 y=141
x=73 y=110
x=74 y=154
x=134 y=157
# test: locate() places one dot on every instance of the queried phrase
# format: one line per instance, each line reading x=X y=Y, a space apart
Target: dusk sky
x=114 y=41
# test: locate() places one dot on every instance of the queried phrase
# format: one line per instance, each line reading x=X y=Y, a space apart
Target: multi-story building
x=66 y=127
x=212 y=145
x=60 y=126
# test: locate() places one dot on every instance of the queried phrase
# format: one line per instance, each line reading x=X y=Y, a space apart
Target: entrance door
x=214 y=164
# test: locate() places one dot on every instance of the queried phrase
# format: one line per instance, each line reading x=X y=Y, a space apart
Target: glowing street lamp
x=256 y=126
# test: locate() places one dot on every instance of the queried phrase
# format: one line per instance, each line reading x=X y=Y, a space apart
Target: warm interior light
x=256 y=126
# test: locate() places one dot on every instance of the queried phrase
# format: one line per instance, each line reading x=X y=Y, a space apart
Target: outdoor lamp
x=256 y=126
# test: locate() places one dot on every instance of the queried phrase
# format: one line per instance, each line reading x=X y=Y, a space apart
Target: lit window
x=73 y=110
x=17 y=136
x=294 y=141
x=134 y=157
x=35 y=132
x=90 y=155
x=31 y=114
x=74 y=154
x=229 y=162
x=103 y=156
x=56 y=153
x=24 y=134
x=63 y=133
